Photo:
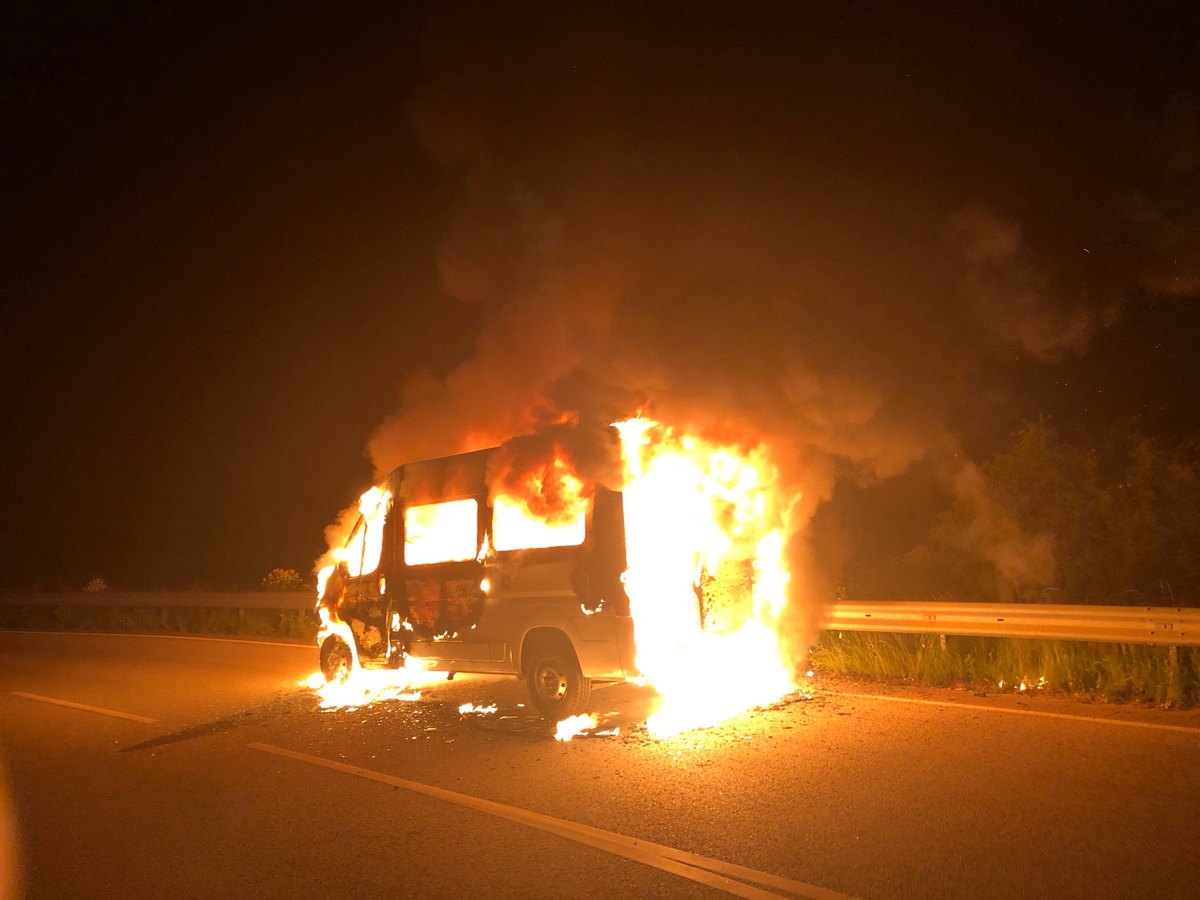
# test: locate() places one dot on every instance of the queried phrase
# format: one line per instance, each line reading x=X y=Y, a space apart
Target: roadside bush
x=1113 y=521
x=283 y=580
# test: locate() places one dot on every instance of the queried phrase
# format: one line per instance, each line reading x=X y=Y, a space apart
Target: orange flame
x=362 y=553
x=541 y=507
x=441 y=532
x=706 y=576
x=573 y=726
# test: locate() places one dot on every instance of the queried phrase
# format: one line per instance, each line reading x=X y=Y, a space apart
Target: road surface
x=157 y=766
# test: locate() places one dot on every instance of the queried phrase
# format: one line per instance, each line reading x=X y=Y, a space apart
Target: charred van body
x=445 y=578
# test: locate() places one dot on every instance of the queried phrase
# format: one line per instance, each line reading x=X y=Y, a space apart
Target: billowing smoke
x=657 y=211
x=992 y=534
x=1167 y=211
x=1009 y=294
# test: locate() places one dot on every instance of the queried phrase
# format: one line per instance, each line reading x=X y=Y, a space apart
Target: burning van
x=453 y=568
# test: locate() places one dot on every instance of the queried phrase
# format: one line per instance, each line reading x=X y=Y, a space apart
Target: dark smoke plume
x=1167 y=212
x=716 y=217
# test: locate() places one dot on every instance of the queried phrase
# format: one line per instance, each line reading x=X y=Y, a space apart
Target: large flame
x=706 y=576
x=365 y=547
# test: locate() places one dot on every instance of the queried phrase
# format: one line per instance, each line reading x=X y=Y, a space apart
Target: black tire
x=555 y=681
x=336 y=660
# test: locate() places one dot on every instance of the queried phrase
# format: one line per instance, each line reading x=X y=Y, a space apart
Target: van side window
x=441 y=532
x=365 y=547
x=373 y=545
x=354 y=549
x=514 y=527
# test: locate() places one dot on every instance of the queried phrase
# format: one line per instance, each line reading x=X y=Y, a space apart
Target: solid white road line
x=307 y=645
x=979 y=707
x=116 y=714
x=702 y=869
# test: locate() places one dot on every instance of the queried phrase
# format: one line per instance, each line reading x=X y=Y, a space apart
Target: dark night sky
x=233 y=234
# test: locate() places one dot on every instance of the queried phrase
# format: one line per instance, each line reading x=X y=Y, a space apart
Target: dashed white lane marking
x=116 y=714
x=951 y=704
x=735 y=879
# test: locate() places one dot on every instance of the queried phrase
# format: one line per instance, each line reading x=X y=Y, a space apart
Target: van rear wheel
x=556 y=683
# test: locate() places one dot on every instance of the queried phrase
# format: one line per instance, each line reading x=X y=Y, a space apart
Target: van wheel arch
x=553 y=675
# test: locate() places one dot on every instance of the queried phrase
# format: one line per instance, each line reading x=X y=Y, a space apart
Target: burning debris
x=575 y=725
x=468 y=708
x=582 y=726
x=365 y=687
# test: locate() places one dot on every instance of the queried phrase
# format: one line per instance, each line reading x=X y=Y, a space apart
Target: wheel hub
x=552 y=683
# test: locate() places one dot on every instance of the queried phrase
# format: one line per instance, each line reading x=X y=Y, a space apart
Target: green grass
x=1116 y=672
x=283 y=624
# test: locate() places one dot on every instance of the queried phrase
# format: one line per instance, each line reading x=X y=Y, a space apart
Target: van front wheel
x=556 y=683
x=337 y=660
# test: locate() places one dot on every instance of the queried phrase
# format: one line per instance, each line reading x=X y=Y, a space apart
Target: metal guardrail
x=1164 y=626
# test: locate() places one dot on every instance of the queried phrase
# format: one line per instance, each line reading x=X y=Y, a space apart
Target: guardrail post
x=1175 y=683
x=942 y=640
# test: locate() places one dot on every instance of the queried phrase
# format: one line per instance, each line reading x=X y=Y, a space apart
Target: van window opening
x=515 y=528
x=441 y=532
x=372 y=546
x=355 y=548
x=364 y=550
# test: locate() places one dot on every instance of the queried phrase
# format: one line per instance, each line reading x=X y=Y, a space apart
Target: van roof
x=441 y=478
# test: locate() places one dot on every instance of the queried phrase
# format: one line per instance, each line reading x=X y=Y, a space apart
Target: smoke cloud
x=1019 y=559
x=1167 y=213
x=1010 y=295
x=662 y=209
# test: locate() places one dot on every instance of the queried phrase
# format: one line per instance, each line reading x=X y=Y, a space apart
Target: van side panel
x=604 y=645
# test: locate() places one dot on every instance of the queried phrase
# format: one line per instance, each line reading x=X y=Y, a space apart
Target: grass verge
x=282 y=624
x=1116 y=672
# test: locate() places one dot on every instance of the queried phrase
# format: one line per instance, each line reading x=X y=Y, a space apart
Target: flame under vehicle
x=442 y=574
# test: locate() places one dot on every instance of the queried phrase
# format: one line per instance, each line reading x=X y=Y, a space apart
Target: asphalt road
x=199 y=768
